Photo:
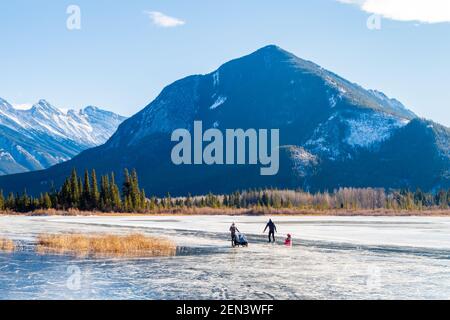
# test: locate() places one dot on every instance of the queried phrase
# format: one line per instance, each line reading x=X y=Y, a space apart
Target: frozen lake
x=332 y=258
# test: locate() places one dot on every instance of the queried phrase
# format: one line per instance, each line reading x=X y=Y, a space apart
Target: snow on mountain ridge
x=44 y=135
x=343 y=133
x=220 y=101
x=369 y=129
x=84 y=126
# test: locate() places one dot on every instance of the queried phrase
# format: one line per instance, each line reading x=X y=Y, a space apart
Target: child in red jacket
x=288 y=241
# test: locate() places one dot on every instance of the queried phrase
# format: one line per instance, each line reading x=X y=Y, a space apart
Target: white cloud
x=162 y=20
x=427 y=11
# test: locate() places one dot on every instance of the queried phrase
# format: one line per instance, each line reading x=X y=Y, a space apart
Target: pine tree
x=143 y=200
x=65 y=195
x=95 y=195
x=47 y=202
x=126 y=186
x=75 y=190
x=168 y=201
x=153 y=203
x=23 y=202
x=116 y=202
x=105 y=192
x=188 y=201
x=80 y=189
x=10 y=202
x=135 y=193
x=128 y=207
x=441 y=199
x=237 y=202
x=86 y=196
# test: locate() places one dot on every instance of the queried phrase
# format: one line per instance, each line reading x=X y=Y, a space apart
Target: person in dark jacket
x=233 y=230
x=272 y=229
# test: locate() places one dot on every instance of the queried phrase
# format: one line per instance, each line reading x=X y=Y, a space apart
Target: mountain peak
x=5 y=104
x=91 y=108
x=45 y=106
x=268 y=55
x=273 y=48
x=273 y=51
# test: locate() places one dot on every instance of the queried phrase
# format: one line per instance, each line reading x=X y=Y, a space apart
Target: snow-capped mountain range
x=44 y=135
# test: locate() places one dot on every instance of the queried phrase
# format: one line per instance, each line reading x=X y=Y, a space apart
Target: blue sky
x=120 y=59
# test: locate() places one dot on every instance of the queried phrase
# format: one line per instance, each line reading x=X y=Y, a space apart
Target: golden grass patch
x=7 y=245
x=133 y=245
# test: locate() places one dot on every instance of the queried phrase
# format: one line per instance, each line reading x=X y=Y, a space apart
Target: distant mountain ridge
x=333 y=133
x=44 y=135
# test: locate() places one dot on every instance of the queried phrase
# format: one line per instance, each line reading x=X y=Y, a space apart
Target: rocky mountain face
x=333 y=133
x=43 y=136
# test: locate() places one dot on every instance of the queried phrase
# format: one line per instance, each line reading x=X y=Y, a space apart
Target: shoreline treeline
x=88 y=194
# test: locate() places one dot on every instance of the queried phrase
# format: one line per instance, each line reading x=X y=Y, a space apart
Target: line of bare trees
x=343 y=198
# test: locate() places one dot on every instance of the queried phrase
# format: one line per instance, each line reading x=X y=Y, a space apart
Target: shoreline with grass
x=105 y=245
x=87 y=195
x=256 y=211
x=99 y=245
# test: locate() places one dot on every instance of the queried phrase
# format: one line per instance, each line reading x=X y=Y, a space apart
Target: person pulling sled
x=237 y=238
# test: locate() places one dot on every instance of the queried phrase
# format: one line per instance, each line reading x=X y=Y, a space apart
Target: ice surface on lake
x=332 y=258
